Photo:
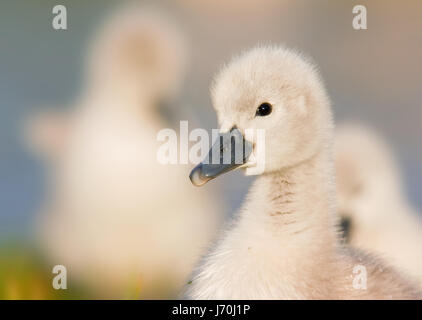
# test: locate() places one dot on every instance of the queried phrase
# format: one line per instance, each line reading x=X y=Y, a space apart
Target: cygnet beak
x=345 y=227
x=229 y=152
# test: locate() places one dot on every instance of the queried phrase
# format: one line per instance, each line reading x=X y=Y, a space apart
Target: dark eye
x=264 y=110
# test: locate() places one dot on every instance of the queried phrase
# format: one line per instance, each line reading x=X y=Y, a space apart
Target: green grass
x=25 y=275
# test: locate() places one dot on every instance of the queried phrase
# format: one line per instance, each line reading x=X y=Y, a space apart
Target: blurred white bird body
x=122 y=208
x=118 y=219
x=284 y=243
x=372 y=200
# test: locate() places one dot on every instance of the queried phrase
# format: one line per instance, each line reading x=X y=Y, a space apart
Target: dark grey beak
x=230 y=151
x=345 y=227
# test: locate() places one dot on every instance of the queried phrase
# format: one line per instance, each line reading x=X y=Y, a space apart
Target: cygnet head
x=138 y=51
x=367 y=176
x=280 y=91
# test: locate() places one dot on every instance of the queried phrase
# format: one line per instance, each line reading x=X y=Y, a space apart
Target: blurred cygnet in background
x=375 y=214
x=116 y=218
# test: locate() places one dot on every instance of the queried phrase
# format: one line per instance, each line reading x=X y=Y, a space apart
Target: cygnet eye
x=264 y=109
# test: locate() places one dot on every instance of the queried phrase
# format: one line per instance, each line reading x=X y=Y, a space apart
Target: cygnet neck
x=296 y=205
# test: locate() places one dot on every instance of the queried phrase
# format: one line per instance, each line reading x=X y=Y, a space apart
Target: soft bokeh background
x=373 y=76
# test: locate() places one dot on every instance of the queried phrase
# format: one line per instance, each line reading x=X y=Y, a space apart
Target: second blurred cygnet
x=376 y=215
x=117 y=219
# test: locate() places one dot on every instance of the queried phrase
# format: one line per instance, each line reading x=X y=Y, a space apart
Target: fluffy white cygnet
x=283 y=243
